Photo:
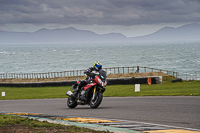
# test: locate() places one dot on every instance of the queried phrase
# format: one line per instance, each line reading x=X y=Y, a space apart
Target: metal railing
x=112 y=70
x=138 y=69
x=189 y=75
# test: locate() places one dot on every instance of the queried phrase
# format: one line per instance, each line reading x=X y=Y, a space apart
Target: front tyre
x=97 y=101
x=71 y=103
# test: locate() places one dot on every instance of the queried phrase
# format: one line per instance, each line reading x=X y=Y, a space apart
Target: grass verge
x=185 y=88
x=10 y=124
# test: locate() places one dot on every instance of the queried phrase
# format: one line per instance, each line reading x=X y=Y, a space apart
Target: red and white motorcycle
x=93 y=91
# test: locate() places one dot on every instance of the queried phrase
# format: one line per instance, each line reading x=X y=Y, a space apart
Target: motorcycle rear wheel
x=71 y=103
x=97 y=101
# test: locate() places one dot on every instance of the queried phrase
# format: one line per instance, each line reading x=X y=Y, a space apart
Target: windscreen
x=102 y=74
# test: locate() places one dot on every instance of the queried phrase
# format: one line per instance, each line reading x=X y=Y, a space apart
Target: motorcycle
x=93 y=90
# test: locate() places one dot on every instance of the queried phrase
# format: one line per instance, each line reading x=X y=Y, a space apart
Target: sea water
x=39 y=58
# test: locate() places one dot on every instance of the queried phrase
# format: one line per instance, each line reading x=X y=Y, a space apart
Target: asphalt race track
x=180 y=111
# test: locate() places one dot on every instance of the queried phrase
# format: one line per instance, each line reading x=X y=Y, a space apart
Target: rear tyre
x=97 y=101
x=71 y=103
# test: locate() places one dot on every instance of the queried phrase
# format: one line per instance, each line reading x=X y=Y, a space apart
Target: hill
x=66 y=35
x=72 y=35
x=184 y=33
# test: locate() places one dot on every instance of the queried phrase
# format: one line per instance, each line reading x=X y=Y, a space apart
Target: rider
x=95 y=70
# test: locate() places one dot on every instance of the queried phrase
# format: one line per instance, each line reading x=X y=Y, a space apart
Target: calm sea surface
x=36 y=58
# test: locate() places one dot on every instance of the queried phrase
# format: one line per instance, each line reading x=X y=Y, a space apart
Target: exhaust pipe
x=69 y=93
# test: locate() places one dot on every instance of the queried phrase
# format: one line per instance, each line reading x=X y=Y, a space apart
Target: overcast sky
x=129 y=17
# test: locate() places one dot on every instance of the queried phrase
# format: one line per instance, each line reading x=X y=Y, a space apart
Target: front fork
x=94 y=93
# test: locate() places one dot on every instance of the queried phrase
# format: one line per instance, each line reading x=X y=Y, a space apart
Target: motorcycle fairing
x=89 y=85
x=99 y=81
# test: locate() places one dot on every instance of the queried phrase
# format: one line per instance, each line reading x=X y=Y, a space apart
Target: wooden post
x=138 y=69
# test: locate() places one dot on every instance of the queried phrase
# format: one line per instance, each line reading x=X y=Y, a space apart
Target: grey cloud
x=104 y=12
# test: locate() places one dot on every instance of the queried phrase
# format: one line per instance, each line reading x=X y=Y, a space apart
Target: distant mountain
x=72 y=35
x=67 y=35
x=183 y=33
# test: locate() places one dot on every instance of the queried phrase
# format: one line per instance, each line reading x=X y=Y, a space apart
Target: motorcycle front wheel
x=71 y=103
x=97 y=101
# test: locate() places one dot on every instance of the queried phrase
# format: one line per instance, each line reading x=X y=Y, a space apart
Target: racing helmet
x=97 y=65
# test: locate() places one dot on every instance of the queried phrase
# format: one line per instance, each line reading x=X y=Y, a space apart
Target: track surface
x=178 y=111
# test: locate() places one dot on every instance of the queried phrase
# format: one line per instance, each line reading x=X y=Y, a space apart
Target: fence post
x=138 y=69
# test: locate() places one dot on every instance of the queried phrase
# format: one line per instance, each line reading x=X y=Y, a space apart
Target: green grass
x=185 y=88
x=12 y=120
x=9 y=123
x=191 y=88
x=33 y=92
